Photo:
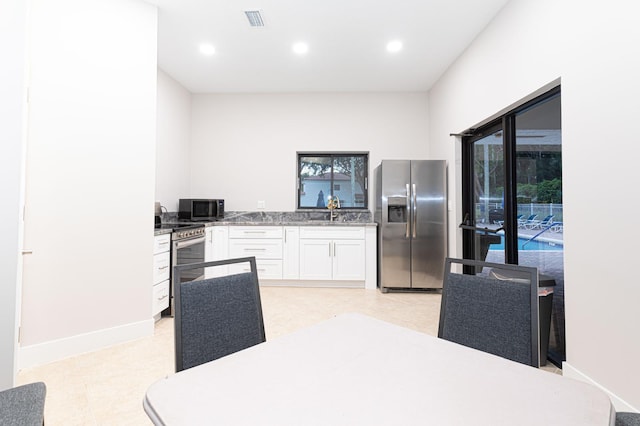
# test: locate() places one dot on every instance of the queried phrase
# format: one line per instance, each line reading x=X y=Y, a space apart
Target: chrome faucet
x=332 y=205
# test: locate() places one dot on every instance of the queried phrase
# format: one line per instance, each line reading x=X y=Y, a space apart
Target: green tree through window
x=337 y=174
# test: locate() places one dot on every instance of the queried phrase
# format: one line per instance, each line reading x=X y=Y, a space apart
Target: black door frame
x=506 y=123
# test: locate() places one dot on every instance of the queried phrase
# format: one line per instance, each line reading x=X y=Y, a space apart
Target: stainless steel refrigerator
x=411 y=212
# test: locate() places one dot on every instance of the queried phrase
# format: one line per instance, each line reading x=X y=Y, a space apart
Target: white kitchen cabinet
x=160 y=297
x=315 y=259
x=216 y=248
x=161 y=243
x=348 y=260
x=332 y=253
x=291 y=253
x=261 y=248
x=161 y=267
x=333 y=256
x=264 y=243
x=161 y=273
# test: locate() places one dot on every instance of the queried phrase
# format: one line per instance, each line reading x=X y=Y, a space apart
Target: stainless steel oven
x=187 y=246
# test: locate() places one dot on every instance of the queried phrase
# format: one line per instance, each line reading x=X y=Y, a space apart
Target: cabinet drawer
x=255 y=232
x=260 y=248
x=333 y=232
x=161 y=243
x=160 y=297
x=267 y=269
x=161 y=267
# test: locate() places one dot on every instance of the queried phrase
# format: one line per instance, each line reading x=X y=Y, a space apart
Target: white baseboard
x=55 y=350
x=573 y=373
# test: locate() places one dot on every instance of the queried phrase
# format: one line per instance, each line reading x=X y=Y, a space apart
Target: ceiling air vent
x=255 y=18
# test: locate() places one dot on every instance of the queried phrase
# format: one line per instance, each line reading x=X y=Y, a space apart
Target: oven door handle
x=187 y=243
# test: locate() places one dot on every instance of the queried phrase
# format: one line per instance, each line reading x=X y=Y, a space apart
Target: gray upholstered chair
x=627 y=419
x=493 y=315
x=218 y=316
x=23 y=405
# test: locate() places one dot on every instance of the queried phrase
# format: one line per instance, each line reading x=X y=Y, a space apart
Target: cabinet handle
x=162 y=267
x=163 y=297
x=254 y=249
x=257 y=269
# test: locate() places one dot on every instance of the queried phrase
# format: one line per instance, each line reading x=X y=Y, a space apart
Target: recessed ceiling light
x=300 y=48
x=207 y=49
x=394 y=46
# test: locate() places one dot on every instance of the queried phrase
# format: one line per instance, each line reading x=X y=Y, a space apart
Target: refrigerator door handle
x=415 y=210
x=408 y=221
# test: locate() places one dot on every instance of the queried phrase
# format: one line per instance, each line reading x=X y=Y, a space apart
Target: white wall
x=173 y=130
x=243 y=146
x=90 y=176
x=12 y=103
x=592 y=49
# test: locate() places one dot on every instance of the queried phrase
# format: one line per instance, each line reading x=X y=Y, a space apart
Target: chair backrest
x=495 y=312
x=627 y=419
x=218 y=316
x=23 y=405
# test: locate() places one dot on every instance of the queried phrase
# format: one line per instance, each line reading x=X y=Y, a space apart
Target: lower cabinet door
x=161 y=267
x=160 y=297
x=217 y=248
x=267 y=269
x=348 y=260
x=291 y=253
x=260 y=248
x=315 y=259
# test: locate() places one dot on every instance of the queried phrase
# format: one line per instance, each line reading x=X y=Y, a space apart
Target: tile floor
x=107 y=387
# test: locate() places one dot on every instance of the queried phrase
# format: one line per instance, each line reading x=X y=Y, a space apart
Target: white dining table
x=357 y=370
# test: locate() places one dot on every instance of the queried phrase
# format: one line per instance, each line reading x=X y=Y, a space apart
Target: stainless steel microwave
x=200 y=209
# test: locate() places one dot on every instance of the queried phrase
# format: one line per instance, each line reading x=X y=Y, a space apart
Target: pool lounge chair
x=518 y=219
x=524 y=223
x=557 y=226
x=539 y=224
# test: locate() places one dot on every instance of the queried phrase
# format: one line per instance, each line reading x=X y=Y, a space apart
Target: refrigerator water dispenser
x=397 y=210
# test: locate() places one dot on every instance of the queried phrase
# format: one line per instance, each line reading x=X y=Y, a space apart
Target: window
x=337 y=174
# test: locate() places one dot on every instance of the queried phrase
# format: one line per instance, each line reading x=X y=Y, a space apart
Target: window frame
x=331 y=155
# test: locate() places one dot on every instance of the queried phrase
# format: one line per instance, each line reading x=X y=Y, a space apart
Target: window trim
x=332 y=154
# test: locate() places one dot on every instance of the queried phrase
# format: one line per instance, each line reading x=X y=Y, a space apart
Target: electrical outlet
x=261 y=204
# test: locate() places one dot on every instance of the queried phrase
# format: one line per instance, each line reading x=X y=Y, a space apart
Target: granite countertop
x=157 y=231
x=301 y=218
x=345 y=218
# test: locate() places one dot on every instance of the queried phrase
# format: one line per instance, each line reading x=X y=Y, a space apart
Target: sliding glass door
x=512 y=197
x=484 y=219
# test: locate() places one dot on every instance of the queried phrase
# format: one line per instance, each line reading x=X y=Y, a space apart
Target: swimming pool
x=535 y=245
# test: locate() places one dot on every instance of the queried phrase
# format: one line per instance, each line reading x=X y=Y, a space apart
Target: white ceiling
x=347 y=43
